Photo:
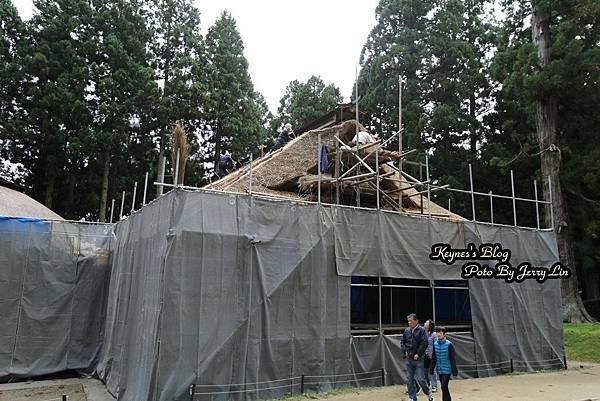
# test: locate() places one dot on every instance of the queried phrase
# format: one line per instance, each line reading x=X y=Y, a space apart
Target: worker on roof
x=362 y=138
x=226 y=164
x=284 y=136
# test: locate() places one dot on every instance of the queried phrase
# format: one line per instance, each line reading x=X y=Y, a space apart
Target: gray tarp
x=53 y=284
x=214 y=288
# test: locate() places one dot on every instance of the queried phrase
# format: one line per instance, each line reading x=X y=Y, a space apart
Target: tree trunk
x=104 y=188
x=71 y=191
x=473 y=131
x=49 y=195
x=548 y=139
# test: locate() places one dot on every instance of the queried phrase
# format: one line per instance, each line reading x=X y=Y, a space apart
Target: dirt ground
x=575 y=384
x=570 y=385
x=75 y=392
x=77 y=389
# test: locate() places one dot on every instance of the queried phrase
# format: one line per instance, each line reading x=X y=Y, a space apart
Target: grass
x=582 y=341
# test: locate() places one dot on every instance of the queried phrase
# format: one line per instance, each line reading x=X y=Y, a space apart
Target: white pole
x=145 y=187
x=472 y=192
x=176 y=177
x=319 y=168
x=112 y=209
x=250 y=184
x=122 y=204
x=377 y=174
x=134 y=196
x=551 y=202
x=492 y=207
x=161 y=175
x=514 y=202
x=400 y=136
x=357 y=139
x=428 y=186
x=537 y=209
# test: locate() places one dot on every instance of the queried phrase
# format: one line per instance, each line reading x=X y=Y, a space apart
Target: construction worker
x=284 y=136
x=362 y=138
x=226 y=164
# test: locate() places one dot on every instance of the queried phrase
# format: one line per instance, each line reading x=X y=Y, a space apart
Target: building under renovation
x=294 y=273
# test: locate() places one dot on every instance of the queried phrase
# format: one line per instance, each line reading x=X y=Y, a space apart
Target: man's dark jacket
x=414 y=341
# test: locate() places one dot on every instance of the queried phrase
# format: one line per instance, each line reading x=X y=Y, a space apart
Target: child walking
x=445 y=360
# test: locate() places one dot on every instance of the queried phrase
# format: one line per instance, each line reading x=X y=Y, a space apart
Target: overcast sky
x=287 y=40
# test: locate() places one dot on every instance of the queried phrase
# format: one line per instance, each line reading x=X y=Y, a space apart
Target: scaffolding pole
x=400 y=135
x=319 y=168
x=357 y=139
x=250 y=183
x=514 y=202
x=492 y=207
x=122 y=205
x=112 y=209
x=537 y=209
x=161 y=175
x=551 y=202
x=377 y=176
x=134 y=196
x=145 y=188
x=176 y=177
x=428 y=186
x=472 y=192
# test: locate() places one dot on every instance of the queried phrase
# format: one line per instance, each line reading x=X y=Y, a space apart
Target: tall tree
x=551 y=65
x=304 y=102
x=12 y=40
x=56 y=80
x=397 y=46
x=177 y=56
x=233 y=113
x=120 y=91
x=458 y=96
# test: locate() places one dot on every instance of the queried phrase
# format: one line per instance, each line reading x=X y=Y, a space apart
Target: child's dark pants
x=444 y=379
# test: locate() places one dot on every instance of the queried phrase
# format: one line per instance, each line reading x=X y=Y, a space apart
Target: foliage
x=304 y=102
x=234 y=111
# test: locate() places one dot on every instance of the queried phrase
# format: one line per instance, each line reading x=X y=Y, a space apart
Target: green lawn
x=582 y=341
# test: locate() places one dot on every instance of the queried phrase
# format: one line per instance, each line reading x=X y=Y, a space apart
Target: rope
x=247 y=384
x=346 y=381
x=541 y=360
x=485 y=364
x=345 y=374
x=243 y=391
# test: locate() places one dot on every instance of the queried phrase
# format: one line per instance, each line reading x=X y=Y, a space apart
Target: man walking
x=414 y=344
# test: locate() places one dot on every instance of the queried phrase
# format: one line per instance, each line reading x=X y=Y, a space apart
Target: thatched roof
x=290 y=172
x=15 y=203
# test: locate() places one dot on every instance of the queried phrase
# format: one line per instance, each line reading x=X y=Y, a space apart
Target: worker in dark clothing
x=226 y=164
x=284 y=136
x=414 y=343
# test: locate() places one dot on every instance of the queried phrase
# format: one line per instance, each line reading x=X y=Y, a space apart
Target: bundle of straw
x=179 y=144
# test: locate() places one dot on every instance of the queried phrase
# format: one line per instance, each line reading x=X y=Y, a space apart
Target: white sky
x=290 y=39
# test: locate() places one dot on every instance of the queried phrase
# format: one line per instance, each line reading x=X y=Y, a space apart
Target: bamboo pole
x=145 y=188
x=400 y=135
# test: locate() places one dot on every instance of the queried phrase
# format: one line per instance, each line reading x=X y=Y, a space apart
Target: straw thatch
x=291 y=172
x=15 y=203
x=179 y=144
x=278 y=169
